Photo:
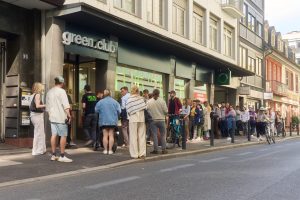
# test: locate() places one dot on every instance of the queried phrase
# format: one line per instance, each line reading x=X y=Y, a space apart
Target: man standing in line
x=174 y=104
x=58 y=107
x=89 y=101
x=124 y=119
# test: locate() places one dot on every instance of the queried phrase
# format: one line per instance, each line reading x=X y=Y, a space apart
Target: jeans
x=89 y=126
x=161 y=126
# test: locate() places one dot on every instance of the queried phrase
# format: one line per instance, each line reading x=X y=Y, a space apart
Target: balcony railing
x=277 y=88
x=233 y=7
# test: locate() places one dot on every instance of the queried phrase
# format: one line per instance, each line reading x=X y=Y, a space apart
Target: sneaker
x=105 y=152
x=229 y=138
x=154 y=152
x=72 y=144
x=110 y=152
x=53 y=158
x=64 y=159
x=164 y=152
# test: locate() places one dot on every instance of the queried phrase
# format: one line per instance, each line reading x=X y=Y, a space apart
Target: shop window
x=200 y=93
x=126 y=76
x=213 y=33
x=155 y=11
x=179 y=16
x=198 y=25
x=179 y=86
x=127 y=5
x=228 y=41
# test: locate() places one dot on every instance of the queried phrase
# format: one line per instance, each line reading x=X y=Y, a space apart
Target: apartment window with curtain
x=213 y=33
x=228 y=41
x=251 y=22
x=127 y=5
x=259 y=66
x=289 y=80
x=251 y=64
x=155 y=11
x=243 y=57
x=198 y=25
x=179 y=16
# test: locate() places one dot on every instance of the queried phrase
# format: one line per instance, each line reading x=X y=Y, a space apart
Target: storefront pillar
x=192 y=82
x=211 y=90
x=172 y=74
x=54 y=53
x=111 y=69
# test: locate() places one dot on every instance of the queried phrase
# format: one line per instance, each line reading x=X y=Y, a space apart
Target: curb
x=131 y=161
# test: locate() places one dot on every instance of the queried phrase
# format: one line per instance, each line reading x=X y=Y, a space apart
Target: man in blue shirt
x=124 y=120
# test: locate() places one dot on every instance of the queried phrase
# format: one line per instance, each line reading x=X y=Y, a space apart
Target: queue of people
x=143 y=115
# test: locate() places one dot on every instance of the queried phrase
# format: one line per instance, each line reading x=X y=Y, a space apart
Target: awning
x=97 y=20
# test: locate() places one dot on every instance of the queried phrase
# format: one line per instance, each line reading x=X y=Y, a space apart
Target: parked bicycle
x=175 y=131
x=269 y=133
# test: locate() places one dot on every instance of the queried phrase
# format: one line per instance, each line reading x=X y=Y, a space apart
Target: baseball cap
x=59 y=79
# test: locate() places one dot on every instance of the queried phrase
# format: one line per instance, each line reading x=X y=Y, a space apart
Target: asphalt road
x=260 y=172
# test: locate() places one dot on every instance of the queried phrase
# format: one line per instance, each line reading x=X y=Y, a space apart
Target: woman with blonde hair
x=135 y=107
x=37 y=118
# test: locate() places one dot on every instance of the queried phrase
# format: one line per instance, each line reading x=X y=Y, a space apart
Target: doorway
x=2 y=78
x=78 y=71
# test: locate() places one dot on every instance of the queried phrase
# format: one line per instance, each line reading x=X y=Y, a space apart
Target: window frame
x=161 y=12
x=215 y=28
x=251 y=22
x=123 y=8
x=228 y=34
x=175 y=29
x=200 y=33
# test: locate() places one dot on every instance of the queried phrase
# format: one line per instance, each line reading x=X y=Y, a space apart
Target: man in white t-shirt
x=58 y=107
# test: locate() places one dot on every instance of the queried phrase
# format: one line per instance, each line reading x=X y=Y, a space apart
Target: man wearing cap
x=89 y=101
x=58 y=107
x=174 y=104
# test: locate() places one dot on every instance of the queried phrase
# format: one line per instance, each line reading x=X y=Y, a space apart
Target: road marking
x=212 y=160
x=113 y=182
x=263 y=149
x=259 y=156
x=4 y=163
x=243 y=154
x=177 y=167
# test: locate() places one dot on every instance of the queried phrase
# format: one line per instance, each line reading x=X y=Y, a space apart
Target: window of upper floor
x=198 y=25
x=259 y=29
x=297 y=83
x=289 y=79
x=228 y=40
x=273 y=38
x=126 y=5
x=251 y=64
x=258 y=70
x=243 y=57
x=155 y=11
x=243 y=20
x=179 y=13
x=213 y=33
x=266 y=35
x=251 y=22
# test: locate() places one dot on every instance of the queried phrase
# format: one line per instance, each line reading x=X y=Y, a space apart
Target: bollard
x=291 y=129
x=212 y=131
x=246 y=128
x=298 y=129
x=183 y=145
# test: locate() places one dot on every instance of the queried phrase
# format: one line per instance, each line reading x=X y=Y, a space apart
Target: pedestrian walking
x=58 y=107
x=135 y=108
x=89 y=100
x=37 y=109
x=108 y=111
x=124 y=116
x=158 y=109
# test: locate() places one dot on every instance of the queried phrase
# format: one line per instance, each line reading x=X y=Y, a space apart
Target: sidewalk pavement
x=19 y=166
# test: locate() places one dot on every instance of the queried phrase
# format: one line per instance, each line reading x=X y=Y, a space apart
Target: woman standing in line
x=37 y=118
x=185 y=111
x=108 y=111
x=135 y=108
x=207 y=120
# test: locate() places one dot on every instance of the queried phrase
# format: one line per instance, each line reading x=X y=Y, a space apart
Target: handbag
x=33 y=107
x=148 y=116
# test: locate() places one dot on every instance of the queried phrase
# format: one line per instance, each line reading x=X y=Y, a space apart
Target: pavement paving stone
x=18 y=164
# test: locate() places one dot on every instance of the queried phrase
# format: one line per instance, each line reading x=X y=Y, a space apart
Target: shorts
x=59 y=129
x=108 y=127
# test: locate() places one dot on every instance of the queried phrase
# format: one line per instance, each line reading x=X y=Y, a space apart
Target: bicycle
x=269 y=133
x=175 y=130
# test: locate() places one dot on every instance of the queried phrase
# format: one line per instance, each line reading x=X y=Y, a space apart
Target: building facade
x=251 y=54
x=293 y=40
x=282 y=75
